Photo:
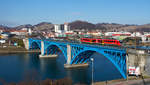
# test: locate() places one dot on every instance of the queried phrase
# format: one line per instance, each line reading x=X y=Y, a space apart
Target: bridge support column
x=26 y=43
x=69 y=57
x=68 y=54
x=42 y=47
x=43 y=55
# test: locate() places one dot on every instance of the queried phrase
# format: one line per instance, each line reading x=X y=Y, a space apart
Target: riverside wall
x=137 y=58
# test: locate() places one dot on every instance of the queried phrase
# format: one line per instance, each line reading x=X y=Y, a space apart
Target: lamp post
x=92 y=59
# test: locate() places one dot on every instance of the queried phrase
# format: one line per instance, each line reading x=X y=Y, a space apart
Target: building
x=4 y=35
x=2 y=41
x=1 y=30
x=66 y=27
x=117 y=34
x=19 y=32
x=145 y=38
x=136 y=34
x=1 y=37
x=62 y=28
x=29 y=31
x=94 y=33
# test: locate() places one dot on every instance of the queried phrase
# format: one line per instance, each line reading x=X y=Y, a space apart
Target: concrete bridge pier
x=69 y=57
x=43 y=55
x=26 y=43
x=137 y=58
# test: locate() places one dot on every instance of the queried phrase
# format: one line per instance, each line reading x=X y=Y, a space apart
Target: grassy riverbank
x=15 y=49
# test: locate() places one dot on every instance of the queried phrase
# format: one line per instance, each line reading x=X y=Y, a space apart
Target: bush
x=16 y=40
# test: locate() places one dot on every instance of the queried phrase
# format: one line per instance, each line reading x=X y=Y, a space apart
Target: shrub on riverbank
x=64 y=81
x=18 y=41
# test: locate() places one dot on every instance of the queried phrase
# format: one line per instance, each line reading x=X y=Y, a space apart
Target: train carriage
x=100 y=41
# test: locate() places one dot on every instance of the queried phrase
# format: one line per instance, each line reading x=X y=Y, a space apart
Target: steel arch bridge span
x=34 y=44
x=55 y=48
x=118 y=59
x=81 y=53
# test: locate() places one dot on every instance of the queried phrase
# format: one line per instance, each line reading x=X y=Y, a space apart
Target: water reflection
x=18 y=67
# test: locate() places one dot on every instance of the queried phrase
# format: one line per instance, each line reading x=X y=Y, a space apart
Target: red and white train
x=101 y=41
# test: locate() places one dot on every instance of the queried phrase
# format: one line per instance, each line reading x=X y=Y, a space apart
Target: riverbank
x=145 y=80
x=14 y=49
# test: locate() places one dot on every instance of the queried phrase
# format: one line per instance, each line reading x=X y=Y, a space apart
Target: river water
x=20 y=67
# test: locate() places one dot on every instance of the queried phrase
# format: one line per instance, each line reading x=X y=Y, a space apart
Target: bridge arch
x=120 y=67
x=35 y=45
x=56 y=47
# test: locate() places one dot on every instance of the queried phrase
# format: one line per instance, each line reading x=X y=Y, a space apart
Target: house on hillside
x=1 y=30
x=19 y=32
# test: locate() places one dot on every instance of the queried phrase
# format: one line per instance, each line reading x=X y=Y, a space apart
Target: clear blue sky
x=17 y=12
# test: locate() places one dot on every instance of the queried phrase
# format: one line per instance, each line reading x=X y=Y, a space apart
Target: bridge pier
x=42 y=55
x=137 y=58
x=68 y=66
x=48 y=56
x=42 y=47
x=26 y=43
x=69 y=57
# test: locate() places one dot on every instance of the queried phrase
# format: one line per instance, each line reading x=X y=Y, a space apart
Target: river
x=25 y=66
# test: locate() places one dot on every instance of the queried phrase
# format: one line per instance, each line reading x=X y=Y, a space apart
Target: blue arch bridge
x=77 y=54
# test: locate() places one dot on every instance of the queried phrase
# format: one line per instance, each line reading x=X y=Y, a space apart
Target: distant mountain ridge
x=87 y=26
x=44 y=26
x=2 y=27
x=23 y=26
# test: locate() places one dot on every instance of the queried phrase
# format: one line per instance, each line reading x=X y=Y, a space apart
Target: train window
x=100 y=41
x=93 y=40
x=116 y=42
x=111 y=41
x=86 y=39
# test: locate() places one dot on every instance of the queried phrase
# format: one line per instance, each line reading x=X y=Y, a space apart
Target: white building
x=61 y=28
x=19 y=32
x=145 y=38
x=118 y=34
x=29 y=31
x=136 y=34
x=94 y=33
x=2 y=41
x=1 y=31
x=5 y=35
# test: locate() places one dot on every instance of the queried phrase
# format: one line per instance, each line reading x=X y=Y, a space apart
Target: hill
x=80 y=25
x=3 y=27
x=44 y=26
x=86 y=26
